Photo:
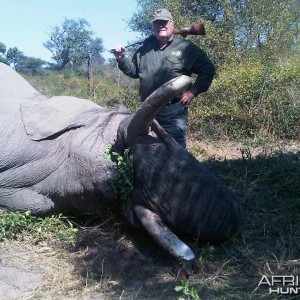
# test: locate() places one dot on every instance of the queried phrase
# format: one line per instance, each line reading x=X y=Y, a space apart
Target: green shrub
x=248 y=99
x=251 y=99
x=104 y=91
x=187 y=292
x=17 y=224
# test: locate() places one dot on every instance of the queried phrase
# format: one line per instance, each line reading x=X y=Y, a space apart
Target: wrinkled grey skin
x=51 y=160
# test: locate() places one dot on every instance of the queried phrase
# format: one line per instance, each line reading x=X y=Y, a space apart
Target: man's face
x=163 y=30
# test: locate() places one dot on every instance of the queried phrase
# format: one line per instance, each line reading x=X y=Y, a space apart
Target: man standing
x=161 y=58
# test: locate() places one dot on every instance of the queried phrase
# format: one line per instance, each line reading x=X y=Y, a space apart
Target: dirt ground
x=108 y=263
x=111 y=260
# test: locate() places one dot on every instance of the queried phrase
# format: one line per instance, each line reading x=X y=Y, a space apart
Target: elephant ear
x=45 y=118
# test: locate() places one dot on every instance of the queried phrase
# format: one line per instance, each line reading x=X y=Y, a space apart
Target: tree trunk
x=90 y=71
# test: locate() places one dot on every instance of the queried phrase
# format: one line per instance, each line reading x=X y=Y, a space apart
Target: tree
x=262 y=27
x=31 y=66
x=73 y=43
x=14 y=56
x=235 y=28
x=94 y=58
x=2 y=54
x=24 y=64
x=2 y=48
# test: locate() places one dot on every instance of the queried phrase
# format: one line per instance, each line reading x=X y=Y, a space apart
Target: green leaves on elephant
x=122 y=182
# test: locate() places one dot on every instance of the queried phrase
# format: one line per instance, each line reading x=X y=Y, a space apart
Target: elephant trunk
x=142 y=119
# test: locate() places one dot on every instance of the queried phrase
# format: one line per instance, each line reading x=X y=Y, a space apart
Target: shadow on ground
x=126 y=264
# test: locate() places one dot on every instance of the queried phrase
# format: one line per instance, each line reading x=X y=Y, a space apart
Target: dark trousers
x=173 y=118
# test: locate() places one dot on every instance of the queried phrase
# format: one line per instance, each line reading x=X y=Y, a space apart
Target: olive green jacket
x=154 y=67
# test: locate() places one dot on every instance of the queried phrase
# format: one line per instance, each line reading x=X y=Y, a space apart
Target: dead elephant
x=51 y=160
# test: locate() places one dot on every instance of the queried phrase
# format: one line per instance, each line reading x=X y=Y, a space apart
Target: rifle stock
x=194 y=29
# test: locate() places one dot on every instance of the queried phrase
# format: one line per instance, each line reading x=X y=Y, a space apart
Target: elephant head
x=52 y=159
x=172 y=190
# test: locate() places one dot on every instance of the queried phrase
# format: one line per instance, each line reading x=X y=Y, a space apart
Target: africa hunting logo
x=280 y=284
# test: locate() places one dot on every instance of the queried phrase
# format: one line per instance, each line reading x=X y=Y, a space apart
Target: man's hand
x=186 y=98
x=119 y=52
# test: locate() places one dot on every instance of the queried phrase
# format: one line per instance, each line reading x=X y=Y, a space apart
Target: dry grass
x=266 y=180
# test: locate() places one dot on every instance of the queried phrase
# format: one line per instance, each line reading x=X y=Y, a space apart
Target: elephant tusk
x=162 y=134
x=162 y=234
x=142 y=119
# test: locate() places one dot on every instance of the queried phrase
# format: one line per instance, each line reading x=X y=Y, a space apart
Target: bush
x=251 y=99
x=104 y=92
x=248 y=99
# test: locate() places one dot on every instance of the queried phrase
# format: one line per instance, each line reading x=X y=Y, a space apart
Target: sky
x=26 y=24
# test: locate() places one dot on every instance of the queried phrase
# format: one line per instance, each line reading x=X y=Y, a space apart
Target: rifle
x=194 y=29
